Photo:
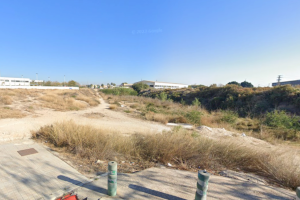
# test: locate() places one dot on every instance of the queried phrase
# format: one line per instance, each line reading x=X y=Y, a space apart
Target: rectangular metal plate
x=26 y=152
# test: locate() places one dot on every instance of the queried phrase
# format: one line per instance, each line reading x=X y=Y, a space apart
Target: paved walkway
x=36 y=176
x=160 y=183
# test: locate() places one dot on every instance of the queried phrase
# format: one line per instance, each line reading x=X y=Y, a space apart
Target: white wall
x=39 y=87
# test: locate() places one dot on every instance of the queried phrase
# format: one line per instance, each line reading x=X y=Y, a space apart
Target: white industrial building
x=163 y=85
x=7 y=81
x=24 y=83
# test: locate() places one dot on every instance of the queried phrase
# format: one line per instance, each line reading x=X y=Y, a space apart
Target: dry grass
x=64 y=100
x=180 y=147
x=155 y=109
x=7 y=112
x=157 y=117
x=28 y=100
x=113 y=106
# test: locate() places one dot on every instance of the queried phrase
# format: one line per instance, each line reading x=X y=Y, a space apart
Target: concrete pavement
x=162 y=183
x=35 y=176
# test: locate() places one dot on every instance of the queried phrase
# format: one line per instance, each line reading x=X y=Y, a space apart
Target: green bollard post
x=202 y=185
x=112 y=178
x=298 y=193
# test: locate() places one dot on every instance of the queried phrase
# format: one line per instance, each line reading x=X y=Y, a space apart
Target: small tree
x=140 y=86
x=102 y=85
x=233 y=83
x=182 y=101
x=48 y=83
x=163 y=96
x=196 y=102
x=72 y=83
x=246 y=84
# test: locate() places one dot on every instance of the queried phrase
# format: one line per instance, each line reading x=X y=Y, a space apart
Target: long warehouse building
x=163 y=85
x=7 y=81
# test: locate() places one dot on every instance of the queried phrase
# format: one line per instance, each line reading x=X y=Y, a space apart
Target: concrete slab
x=158 y=183
x=36 y=176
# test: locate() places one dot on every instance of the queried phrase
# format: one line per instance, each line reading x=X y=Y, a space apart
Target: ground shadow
x=154 y=192
x=89 y=186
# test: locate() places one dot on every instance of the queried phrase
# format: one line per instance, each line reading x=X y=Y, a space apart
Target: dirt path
x=100 y=117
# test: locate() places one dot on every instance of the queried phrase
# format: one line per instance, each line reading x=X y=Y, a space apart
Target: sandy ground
x=99 y=117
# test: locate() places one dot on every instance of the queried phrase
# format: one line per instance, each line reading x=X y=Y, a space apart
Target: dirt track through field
x=100 y=117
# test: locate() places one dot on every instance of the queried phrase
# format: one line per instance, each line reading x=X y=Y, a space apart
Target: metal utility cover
x=26 y=152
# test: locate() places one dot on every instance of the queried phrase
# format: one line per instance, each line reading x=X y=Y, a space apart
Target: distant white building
x=7 y=81
x=163 y=85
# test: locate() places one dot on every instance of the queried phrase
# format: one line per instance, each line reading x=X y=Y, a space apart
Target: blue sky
x=191 y=41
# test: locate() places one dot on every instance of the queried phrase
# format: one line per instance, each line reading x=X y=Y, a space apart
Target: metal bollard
x=202 y=185
x=112 y=178
x=298 y=193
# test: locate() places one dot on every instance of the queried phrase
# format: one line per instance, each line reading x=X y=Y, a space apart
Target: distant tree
x=233 y=83
x=196 y=86
x=55 y=83
x=246 y=84
x=113 y=84
x=102 y=85
x=72 y=83
x=48 y=83
x=140 y=86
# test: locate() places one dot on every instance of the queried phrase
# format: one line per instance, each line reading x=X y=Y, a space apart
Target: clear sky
x=184 y=41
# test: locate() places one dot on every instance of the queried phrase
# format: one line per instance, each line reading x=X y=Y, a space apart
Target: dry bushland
x=64 y=100
x=168 y=111
x=7 y=112
x=182 y=148
x=61 y=100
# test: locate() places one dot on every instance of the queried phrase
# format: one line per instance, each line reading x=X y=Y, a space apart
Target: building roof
x=163 y=82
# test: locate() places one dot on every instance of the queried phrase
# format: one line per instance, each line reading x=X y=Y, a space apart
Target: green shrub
x=163 y=96
x=182 y=101
x=196 y=102
x=194 y=117
x=229 y=116
x=279 y=119
x=140 y=86
x=120 y=91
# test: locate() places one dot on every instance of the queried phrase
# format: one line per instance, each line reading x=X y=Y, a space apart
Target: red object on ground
x=68 y=197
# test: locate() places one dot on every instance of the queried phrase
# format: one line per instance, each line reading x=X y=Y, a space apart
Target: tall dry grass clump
x=63 y=100
x=113 y=106
x=157 y=117
x=180 y=147
x=7 y=112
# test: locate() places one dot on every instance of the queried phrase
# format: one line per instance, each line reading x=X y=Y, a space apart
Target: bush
x=196 y=102
x=140 y=86
x=194 y=117
x=182 y=101
x=233 y=83
x=229 y=117
x=163 y=96
x=246 y=84
x=279 y=119
x=120 y=91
